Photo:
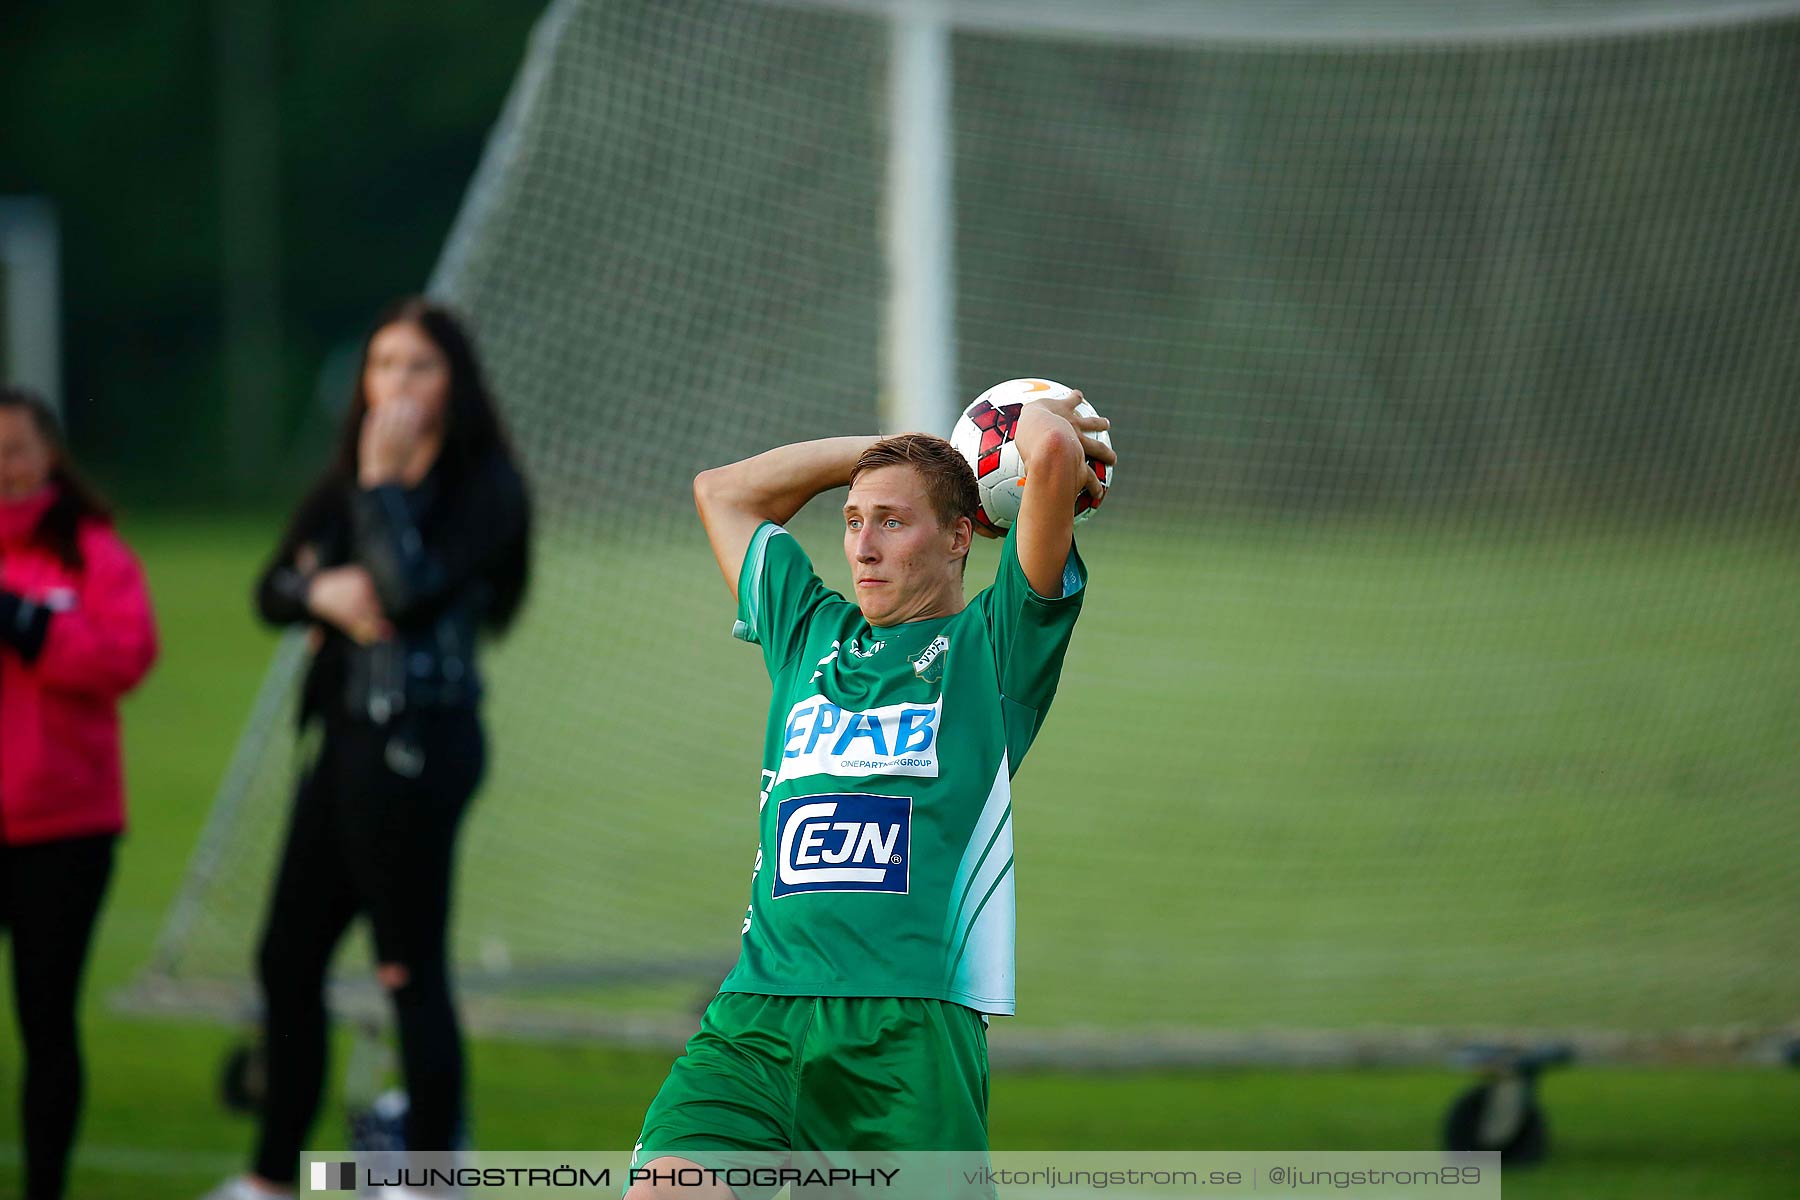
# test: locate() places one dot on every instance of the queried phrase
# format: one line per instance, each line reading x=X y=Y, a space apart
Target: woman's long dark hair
x=59 y=529
x=472 y=433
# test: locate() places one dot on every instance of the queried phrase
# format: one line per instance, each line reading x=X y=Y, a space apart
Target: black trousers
x=367 y=838
x=49 y=897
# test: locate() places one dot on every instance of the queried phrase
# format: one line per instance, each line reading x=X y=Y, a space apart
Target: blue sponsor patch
x=843 y=842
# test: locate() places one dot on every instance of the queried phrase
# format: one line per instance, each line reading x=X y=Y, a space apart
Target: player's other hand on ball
x=1086 y=425
x=986 y=436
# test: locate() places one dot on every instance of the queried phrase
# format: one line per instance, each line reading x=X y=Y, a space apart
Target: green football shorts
x=776 y=1075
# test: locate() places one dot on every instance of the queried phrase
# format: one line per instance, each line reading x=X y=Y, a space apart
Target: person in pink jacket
x=76 y=633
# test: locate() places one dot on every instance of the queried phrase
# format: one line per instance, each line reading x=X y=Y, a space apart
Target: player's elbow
x=1054 y=450
x=710 y=487
x=719 y=492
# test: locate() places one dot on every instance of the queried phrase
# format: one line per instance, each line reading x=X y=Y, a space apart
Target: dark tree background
x=115 y=111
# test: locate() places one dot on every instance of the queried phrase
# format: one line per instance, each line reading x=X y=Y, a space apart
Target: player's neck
x=935 y=607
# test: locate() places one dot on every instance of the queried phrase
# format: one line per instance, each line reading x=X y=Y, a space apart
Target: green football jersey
x=885 y=865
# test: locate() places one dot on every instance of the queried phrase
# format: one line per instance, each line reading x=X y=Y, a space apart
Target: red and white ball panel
x=984 y=436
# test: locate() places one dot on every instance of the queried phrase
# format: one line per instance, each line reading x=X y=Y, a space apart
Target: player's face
x=906 y=565
x=404 y=361
x=25 y=458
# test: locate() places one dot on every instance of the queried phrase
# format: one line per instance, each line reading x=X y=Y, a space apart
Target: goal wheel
x=1485 y=1117
x=1502 y=1112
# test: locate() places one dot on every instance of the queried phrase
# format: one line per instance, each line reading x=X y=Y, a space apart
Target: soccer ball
x=984 y=435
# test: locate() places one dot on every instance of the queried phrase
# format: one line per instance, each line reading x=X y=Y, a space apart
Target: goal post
x=31 y=296
x=919 y=370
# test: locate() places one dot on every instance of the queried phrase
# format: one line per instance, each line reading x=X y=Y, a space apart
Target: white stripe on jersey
x=979 y=927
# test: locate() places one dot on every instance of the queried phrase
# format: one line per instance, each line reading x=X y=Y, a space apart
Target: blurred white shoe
x=239 y=1187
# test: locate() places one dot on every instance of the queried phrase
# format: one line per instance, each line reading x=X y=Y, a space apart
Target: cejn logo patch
x=843 y=842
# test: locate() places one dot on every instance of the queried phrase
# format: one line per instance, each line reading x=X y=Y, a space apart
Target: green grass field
x=154 y=1129
x=1336 y=778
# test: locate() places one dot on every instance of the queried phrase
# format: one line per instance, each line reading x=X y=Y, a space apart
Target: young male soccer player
x=880 y=928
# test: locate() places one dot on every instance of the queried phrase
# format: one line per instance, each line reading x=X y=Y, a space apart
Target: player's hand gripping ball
x=984 y=435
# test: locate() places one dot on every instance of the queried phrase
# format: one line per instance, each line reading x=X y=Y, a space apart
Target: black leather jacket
x=438 y=554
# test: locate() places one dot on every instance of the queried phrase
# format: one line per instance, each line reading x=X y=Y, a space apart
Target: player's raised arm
x=1053 y=442
x=733 y=500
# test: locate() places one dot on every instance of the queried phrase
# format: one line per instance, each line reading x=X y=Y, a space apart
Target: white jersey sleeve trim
x=1071 y=580
x=750 y=583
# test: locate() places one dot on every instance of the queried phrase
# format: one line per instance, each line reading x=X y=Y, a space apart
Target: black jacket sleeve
x=23 y=625
x=281 y=588
x=281 y=595
x=412 y=575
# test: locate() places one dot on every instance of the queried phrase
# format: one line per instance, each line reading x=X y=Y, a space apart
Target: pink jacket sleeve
x=107 y=641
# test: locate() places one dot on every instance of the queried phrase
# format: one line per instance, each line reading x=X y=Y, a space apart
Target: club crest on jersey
x=821 y=738
x=929 y=664
x=843 y=842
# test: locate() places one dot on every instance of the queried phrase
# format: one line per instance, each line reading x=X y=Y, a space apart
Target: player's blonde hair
x=949 y=483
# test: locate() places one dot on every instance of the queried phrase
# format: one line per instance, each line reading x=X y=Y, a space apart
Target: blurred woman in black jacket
x=413 y=541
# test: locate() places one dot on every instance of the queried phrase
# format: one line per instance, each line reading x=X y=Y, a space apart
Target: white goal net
x=1440 y=672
